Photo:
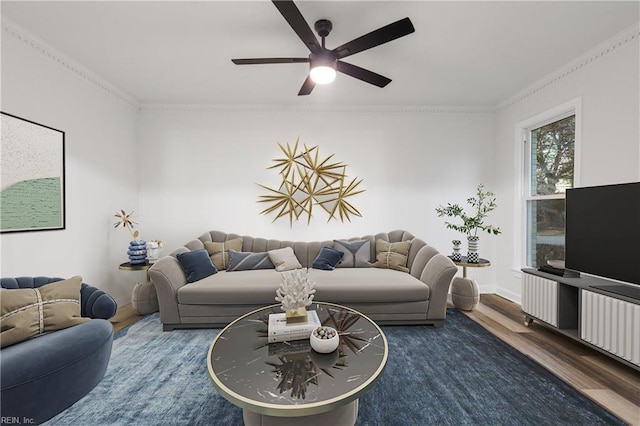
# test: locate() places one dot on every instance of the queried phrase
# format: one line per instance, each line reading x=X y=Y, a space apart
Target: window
x=550 y=171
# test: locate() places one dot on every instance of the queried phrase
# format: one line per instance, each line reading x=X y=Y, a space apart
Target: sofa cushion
x=346 y=285
x=196 y=265
x=219 y=252
x=247 y=261
x=357 y=253
x=225 y=287
x=367 y=285
x=30 y=312
x=284 y=259
x=327 y=259
x=392 y=255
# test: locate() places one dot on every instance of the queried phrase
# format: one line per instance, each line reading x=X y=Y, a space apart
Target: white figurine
x=296 y=290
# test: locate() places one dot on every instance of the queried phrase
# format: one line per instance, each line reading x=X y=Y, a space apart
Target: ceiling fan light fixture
x=323 y=68
x=323 y=74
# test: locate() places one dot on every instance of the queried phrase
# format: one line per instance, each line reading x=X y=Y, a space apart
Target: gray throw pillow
x=284 y=259
x=247 y=261
x=357 y=253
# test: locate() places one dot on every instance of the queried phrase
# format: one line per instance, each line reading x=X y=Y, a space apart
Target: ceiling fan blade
x=375 y=38
x=363 y=74
x=259 y=61
x=307 y=87
x=292 y=15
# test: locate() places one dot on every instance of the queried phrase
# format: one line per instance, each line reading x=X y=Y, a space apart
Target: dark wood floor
x=609 y=383
x=606 y=381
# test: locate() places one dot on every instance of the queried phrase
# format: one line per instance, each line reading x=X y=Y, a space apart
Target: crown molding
x=325 y=109
x=16 y=31
x=628 y=35
x=601 y=50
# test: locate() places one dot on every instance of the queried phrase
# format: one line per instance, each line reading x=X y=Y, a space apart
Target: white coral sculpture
x=296 y=290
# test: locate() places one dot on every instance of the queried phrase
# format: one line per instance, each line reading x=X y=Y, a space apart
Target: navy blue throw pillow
x=327 y=259
x=196 y=264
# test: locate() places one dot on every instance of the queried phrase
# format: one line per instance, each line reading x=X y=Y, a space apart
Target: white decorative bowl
x=324 y=346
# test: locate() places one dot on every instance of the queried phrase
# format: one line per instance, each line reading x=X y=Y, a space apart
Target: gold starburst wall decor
x=308 y=181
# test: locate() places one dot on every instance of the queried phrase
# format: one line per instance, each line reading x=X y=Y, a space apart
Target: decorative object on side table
x=481 y=204
x=154 y=247
x=295 y=294
x=472 y=249
x=137 y=251
x=456 y=256
x=324 y=339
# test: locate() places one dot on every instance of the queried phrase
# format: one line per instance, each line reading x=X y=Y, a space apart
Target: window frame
x=524 y=169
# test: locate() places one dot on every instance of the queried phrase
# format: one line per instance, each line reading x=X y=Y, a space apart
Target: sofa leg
x=167 y=327
x=438 y=324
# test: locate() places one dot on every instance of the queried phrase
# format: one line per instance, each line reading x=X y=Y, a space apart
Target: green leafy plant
x=483 y=202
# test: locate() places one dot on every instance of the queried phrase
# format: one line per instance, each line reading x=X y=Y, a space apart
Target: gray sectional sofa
x=387 y=296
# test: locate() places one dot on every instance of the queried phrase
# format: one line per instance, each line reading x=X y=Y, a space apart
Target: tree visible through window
x=551 y=156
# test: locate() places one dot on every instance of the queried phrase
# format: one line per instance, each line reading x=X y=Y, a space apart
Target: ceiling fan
x=324 y=62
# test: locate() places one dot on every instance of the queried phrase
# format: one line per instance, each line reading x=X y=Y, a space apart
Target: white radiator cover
x=611 y=324
x=540 y=298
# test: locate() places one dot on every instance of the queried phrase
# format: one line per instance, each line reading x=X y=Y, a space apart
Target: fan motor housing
x=323 y=27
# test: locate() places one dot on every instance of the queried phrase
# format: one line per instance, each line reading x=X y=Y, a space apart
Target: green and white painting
x=31 y=176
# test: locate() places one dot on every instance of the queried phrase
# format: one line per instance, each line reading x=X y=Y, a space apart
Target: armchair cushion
x=27 y=313
x=94 y=303
x=43 y=376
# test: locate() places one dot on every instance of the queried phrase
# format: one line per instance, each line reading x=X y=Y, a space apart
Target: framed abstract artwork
x=32 y=179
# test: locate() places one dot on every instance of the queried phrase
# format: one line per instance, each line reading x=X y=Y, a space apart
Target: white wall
x=202 y=167
x=100 y=136
x=189 y=170
x=609 y=149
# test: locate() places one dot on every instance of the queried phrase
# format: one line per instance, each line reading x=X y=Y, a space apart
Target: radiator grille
x=540 y=298
x=611 y=324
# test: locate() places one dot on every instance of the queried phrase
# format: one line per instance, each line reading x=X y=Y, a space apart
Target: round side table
x=127 y=266
x=144 y=299
x=465 y=293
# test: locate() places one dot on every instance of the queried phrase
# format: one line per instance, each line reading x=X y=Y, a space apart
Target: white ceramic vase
x=456 y=256
x=472 y=249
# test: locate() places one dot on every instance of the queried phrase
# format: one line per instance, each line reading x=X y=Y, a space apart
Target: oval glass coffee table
x=290 y=383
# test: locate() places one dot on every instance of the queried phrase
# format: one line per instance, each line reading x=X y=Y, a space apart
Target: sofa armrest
x=167 y=277
x=95 y=303
x=437 y=271
x=438 y=275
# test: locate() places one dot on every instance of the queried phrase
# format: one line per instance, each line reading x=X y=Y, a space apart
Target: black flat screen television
x=603 y=231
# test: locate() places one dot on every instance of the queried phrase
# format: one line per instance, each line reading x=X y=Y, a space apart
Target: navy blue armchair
x=45 y=375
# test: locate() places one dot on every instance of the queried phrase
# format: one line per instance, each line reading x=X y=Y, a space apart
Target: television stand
x=622 y=290
x=596 y=312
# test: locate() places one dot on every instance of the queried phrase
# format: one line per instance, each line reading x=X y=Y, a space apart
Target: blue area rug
x=455 y=375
